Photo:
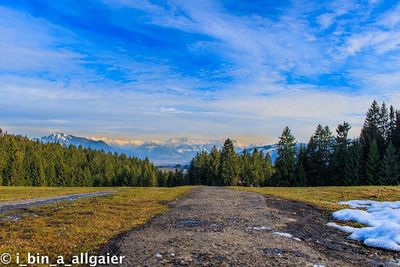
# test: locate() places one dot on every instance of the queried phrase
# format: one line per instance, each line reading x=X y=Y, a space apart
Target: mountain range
x=169 y=153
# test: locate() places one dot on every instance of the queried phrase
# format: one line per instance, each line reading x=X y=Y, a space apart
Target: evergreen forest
x=327 y=159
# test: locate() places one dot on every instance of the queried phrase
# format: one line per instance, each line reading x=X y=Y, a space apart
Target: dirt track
x=222 y=227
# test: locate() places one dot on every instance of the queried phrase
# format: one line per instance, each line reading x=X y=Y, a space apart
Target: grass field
x=9 y=193
x=71 y=227
x=327 y=197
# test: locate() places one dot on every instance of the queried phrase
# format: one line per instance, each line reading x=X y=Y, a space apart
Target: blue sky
x=150 y=70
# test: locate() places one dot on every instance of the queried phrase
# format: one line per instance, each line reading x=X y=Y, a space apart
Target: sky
x=132 y=70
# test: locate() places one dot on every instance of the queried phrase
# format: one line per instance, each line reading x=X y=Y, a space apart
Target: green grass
x=9 y=193
x=71 y=227
x=327 y=197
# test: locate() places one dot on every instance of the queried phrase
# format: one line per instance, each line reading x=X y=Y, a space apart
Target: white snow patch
x=158 y=255
x=261 y=228
x=382 y=218
x=347 y=229
x=283 y=234
x=286 y=235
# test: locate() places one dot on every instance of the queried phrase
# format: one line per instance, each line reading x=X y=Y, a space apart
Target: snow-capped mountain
x=66 y=139
x=171 y=152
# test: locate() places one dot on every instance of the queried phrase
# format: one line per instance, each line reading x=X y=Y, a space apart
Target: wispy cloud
x=136 y=70
x=382 y=35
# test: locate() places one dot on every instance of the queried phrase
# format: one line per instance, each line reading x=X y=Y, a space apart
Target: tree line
x=327 y=159
x=24 y=162
x=227 y=167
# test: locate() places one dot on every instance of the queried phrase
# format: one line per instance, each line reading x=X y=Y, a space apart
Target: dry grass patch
x=10 y=193
x=71 y=227
x=327 y=197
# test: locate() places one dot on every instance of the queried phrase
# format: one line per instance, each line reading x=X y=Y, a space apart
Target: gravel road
x=223 y=227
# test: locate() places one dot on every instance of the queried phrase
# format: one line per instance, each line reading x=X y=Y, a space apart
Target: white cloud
x=31 y=44
x=162 y=102
x=391 y=18
x=171 y=110
x=337 y=9
x=380 y=40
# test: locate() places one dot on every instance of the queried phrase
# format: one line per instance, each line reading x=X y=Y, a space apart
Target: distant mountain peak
x=179 y=141
x=173 y=151
x=67 y=140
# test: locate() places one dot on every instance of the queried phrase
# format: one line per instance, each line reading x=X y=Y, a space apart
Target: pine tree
x=268 y=169
x=396 y=132
x=319 y=153
x=17 y=169
x=372 y=124
x=372 y=169
x=215 y=156
x=258 y=167
x=285 y=165
x=204 y=167
x=384 y=125
x=340 y=154
x=353 y=166
x=390 y=169
x=179 y=177
x=301 y=179
x=246 y=168
x=392 y=124
x=192 y=172
x=371 y=132
x=87 y=179
x=229 y=167
x=35 y=172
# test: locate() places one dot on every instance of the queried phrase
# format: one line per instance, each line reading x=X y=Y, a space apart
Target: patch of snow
x=158 y=255
x=347 y=229
x=371 y=204
x=13 y=218
x=382 y=220
x=286 y=235
x=283 y=234
x=261 y=228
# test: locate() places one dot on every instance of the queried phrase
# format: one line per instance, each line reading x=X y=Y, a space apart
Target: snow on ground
x=261 y=228
x=286 y=235
x=382 y=220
